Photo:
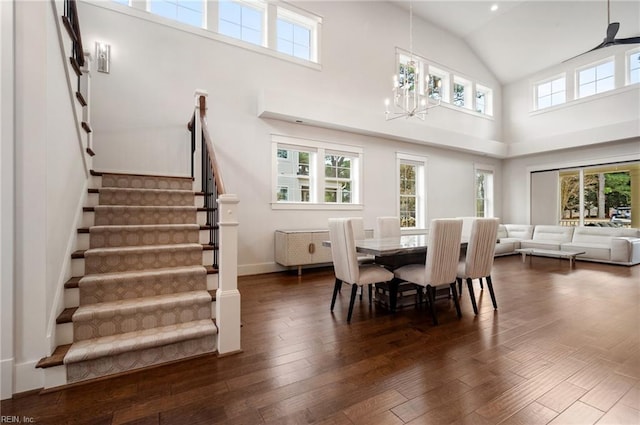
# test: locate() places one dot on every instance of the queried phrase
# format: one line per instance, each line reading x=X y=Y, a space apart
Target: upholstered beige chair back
x=482 y=244
x=443 y=251
x=358 y=228
x=387 y=227
x=343 y=250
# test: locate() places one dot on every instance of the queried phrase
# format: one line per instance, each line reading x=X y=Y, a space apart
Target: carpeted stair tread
x=138 y=340
x=123 y=316
x=143 y=234
x=129 y=215
x=127 y=258
x=146 y=181
x=134 y=305
x=105 y=287
x=148 y=197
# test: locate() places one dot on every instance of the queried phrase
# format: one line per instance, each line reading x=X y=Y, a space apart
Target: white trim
x=581 y=100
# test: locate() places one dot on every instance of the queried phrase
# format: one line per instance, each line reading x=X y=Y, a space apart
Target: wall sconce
x=103 y=53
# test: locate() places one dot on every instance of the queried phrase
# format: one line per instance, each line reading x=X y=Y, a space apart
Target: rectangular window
x=633 y=61
x=484 y=100
x=186 y=11
x=409 y=71
x=297 y=34
x=438 y=83
x=294 y=174
x=338 y=181
x=597 y=79
x=411 y=195
x=299 y=177
x=461 y=92
x=242 y=20
x=551 y=93
x=484 y=192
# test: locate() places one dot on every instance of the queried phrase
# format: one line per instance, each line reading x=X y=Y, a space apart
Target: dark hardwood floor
x=562 y=348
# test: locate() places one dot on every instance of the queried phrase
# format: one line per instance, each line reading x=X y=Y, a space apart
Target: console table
x=301 y=247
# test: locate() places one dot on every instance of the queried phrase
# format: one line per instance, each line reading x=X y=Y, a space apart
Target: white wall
x=50 y=175
x=604 y=117
x=7 y=201
x=140 y=110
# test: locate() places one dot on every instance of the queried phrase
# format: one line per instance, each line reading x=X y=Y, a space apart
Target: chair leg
x=454 y=293
x=354 y=293
x=336 y=289
x=481 y=286
x=370 y=293
x=419 y=290
x=472 y=295
x=459 y=286
x=493 y=295
x=431 y=293
x=361 y=292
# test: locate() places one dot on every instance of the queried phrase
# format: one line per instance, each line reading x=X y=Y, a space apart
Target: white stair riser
x=213 y=309
x=212 y=281
x=71 y=297
x=82 y=241
x=95 y=181
x=207 y=258
x=92 y=199
x=88 y=218
x=77 y=267
x=55 y=376
x=64 y=333
x=202 y=217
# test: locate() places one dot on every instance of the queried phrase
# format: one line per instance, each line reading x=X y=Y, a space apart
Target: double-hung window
x=186 y=11
x=411 y=190
x=484 y=191
x=313 y=173
x=551 y=92
x=243 y=20
x=596 y=79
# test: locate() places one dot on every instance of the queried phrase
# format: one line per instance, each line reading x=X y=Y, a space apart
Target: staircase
x=141 y=295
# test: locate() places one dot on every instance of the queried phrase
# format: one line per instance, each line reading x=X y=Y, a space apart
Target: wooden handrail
x=202 y=105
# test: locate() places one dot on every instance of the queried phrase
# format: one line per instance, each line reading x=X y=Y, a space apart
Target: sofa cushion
x=502 y=231
x=519 y=231
x=541 y=244
x=559 y=234
x=506 y=247
x=596 y=251
x=601 y=234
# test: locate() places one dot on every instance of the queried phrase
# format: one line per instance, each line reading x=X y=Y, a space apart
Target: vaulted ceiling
x=522 y=37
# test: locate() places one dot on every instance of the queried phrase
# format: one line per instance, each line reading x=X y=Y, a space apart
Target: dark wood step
x=81 y=99
x=86 y=127
x=66 y=315
x=91 y=152
x=92 y=209
x=56 y=359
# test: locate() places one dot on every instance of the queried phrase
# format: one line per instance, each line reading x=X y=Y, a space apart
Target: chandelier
x=408 y=101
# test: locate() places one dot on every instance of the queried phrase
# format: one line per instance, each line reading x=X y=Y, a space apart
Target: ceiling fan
x=610 y=39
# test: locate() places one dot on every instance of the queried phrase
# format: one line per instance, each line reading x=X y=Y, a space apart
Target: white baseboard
x=6 y=378
x=27 y=377
x=262 y=268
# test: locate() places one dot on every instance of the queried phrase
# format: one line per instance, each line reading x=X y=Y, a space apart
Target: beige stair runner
x=143 y=298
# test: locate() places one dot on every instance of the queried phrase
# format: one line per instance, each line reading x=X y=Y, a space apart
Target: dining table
x=394 y=252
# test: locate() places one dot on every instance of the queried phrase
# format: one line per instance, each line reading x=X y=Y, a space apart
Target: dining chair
x=478 y=260
x=439 y=269
x=346 y=266
x=387 y=227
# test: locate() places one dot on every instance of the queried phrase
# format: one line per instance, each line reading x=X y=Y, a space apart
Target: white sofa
x=613 y=245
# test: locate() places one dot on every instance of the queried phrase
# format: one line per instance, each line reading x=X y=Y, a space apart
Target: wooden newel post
x=227 y=295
